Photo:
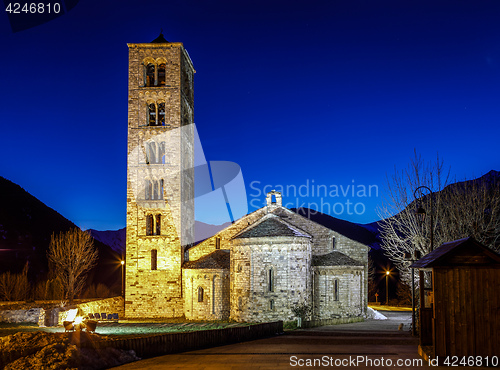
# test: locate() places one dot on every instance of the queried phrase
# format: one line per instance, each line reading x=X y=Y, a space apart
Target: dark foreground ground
x=373 y=344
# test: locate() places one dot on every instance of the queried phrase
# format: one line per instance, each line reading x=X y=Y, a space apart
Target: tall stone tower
x=160 y=177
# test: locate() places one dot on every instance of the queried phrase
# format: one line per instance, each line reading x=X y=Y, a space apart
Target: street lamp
x=387 y=274
x=420 y=215
x=123 y=274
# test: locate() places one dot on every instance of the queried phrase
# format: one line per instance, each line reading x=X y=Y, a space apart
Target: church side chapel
x=259 y=268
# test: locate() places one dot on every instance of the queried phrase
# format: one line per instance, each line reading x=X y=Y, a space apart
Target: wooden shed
x=461 y=315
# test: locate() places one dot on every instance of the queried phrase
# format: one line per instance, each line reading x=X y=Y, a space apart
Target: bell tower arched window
x=161 y=74
x=151 y=114
x=153 y=224
x=161 y=114
x=150 y=75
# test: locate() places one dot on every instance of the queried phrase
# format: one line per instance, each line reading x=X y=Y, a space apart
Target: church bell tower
x=160 y=177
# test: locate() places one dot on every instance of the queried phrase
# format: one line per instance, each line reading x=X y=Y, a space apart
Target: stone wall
x=156 y=291
x=351 y=295
x=108 y=305
x=214 y=304
x=19 y=316
x=288 y=259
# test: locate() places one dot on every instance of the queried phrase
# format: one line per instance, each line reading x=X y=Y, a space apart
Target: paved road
x=355 y=344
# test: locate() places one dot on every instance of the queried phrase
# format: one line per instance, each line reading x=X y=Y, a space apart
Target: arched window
x=161 y=74
x=161 y=114
x=156 y=189
x=154 y=259
x=149 y=224
x=158 y=224
x=151 y=153
x=333 y=244
x=163 y=150
x=200 y=294
x=270 y=279
x=271 y=304
x=161 y=189
x=151 y=114
x=150 y=74
x=336 y=290
x=148 y=190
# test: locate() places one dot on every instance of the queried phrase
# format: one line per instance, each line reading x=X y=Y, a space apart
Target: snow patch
x=374 y=315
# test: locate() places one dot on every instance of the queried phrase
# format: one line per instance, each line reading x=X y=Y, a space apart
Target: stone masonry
x=257 y=269
x=160 y=177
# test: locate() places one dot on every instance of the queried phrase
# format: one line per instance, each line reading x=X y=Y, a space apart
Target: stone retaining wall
x=342 y=320
x=19 y=316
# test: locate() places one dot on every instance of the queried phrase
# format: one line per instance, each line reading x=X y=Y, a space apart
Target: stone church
x=257 y=269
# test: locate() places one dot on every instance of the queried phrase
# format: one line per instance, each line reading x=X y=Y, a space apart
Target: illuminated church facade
x=257 y=269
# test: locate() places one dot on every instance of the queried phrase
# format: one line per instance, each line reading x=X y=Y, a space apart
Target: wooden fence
x=162 y=344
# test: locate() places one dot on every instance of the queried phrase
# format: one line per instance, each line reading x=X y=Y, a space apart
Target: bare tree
x=469 y=208
x=72 y=254
x=15 y=287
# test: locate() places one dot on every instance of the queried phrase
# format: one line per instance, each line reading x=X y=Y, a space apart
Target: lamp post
x=420 y=216
x=387 y=273
x=420 y=212
x=123 y=274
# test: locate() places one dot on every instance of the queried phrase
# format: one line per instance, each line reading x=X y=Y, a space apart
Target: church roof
x=272 y=226
x=218 y=259
x=334 y=259
x=160 y=40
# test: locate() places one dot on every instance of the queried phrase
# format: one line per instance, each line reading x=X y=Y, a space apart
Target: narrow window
x=200 y=294
x=161 y=189
x=217 y=243
x=270 y=279
x=163 y=153
x=151 y=153
x=271 y=304
x=240 y=303
x=152 y=114
x=158 y=224
x=154 y=257
x=148 y=190
x=150 y=74
x=161 y=114
x=186 y=255
x=148 y=153
x=161 y=74
x=333 y=243
x=155 y=190
x=336 y=290
x=149 y=225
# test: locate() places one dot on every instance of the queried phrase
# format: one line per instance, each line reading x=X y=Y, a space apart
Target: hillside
x=26 y=225
x=489 y=179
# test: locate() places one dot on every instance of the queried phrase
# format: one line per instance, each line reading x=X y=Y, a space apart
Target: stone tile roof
x=271 y=227
x=218 y=259
x=334 y=259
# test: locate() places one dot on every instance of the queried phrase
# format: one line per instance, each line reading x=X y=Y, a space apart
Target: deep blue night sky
x=291 y=91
